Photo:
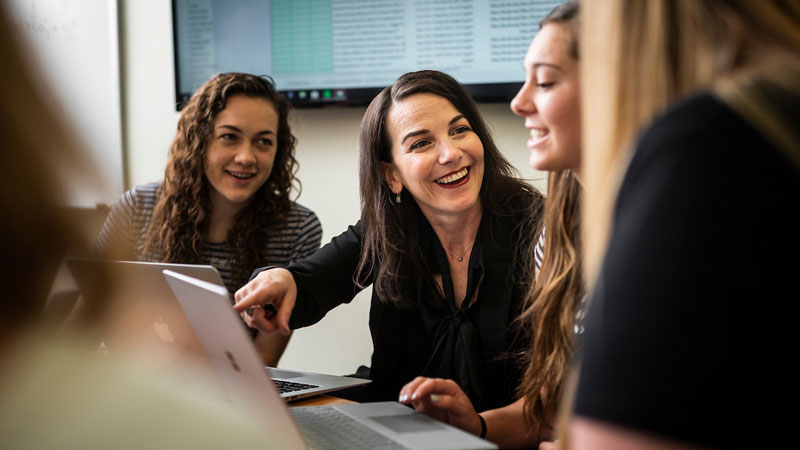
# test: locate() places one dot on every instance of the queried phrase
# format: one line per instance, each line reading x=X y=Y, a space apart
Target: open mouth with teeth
x=538 y=136
x=240 y=175
x=453 y=178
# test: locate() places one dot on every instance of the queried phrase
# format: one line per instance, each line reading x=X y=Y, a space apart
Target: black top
x=689 y=308
x=431 y=337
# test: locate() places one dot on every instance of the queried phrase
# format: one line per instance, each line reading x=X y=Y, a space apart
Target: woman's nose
x=449 y=152
x=522 y=104
x=245 y=155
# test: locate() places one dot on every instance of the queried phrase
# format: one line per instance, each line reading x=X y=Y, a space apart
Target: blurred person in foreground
x=691 y=145
x=55 y=392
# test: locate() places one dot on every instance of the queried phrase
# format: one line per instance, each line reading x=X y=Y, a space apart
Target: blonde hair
x=639 y=57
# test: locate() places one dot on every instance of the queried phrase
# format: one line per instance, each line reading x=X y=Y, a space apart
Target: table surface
x=319 y=400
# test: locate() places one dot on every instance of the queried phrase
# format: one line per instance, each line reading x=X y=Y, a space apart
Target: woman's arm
x=271 y=346
x=445 y=401
x=507 y=428
x=306 y=241
x=320 y=282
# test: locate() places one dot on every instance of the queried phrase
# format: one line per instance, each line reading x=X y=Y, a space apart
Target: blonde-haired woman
x=692 y=168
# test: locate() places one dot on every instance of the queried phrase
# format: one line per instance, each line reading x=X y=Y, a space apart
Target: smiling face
x=550 y=101
x=241 y=150
x=436 y=156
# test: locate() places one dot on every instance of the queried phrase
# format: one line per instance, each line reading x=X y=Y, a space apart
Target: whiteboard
x=76 y=48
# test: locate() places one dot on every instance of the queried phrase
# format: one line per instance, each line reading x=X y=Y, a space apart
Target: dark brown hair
x=390 y=251
x=554 y=298
x=180 y=221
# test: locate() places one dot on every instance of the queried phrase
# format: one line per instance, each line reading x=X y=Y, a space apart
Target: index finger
x=435 y=386
x=246 y=298
x=411 y=386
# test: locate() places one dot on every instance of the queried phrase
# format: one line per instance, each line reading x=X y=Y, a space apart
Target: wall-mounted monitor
x=342 y=52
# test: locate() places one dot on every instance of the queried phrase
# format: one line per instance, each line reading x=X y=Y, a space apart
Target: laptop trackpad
x=407 y=423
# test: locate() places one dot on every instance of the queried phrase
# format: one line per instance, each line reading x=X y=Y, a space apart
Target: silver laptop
x=366 y=425
x=148 y=316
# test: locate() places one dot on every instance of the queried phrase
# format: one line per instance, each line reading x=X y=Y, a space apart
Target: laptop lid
x=233 y=356
x=213 y=326
x=143 y=311
x=208 y=308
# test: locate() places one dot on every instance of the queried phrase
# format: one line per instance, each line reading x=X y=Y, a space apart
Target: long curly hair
x=391 y=254
x=179 y=227
x=554 y=298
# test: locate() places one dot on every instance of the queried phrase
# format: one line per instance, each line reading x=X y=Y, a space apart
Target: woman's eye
x=545 y=86
x=461 y=129
x=265 y=142
x=228 y=137
x=419 y=144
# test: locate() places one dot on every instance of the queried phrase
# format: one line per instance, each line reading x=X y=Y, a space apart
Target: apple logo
x=162 y=330
x=233 y=361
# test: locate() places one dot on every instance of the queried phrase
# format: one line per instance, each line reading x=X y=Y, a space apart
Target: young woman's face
x=550 y=101
x=241 y=150
x=436 y=156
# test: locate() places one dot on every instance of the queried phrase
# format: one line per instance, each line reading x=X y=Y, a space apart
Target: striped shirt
x=538 y=252
x=538 y=258
x=125 y=231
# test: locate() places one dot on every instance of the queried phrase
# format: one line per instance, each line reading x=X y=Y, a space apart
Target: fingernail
x=403 y=398
x=414 y=397
x=434 y=398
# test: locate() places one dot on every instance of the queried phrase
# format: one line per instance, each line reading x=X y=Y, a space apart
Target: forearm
x=506 y=426
x=271 y=346
x=324 y=280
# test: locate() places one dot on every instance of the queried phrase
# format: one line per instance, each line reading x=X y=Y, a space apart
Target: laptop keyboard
x=323 y=427
x=286 y=386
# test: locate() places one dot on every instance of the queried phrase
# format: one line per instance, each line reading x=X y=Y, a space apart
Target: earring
x=398 y=199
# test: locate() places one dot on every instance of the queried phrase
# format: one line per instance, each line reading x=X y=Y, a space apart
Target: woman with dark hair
x=549 y=101
x=225 y=198
x=444 y=228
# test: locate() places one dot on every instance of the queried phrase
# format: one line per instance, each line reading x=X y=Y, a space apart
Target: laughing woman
x=549 y=101
x=444 y=228
x=225 y=199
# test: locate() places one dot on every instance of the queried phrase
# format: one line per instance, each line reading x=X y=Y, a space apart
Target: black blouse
x=431 y=337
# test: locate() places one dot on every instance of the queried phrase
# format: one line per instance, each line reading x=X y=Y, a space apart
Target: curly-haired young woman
x=225 y=197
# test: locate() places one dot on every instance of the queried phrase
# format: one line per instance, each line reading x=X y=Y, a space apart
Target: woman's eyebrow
x=233 y=128
x=414 y=133
x=456 y=119
x=418 y=132
x=544 y=64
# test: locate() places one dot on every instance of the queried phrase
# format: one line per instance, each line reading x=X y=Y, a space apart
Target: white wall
x=327 y=152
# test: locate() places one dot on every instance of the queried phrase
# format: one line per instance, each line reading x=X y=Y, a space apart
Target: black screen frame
x=353 y=97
